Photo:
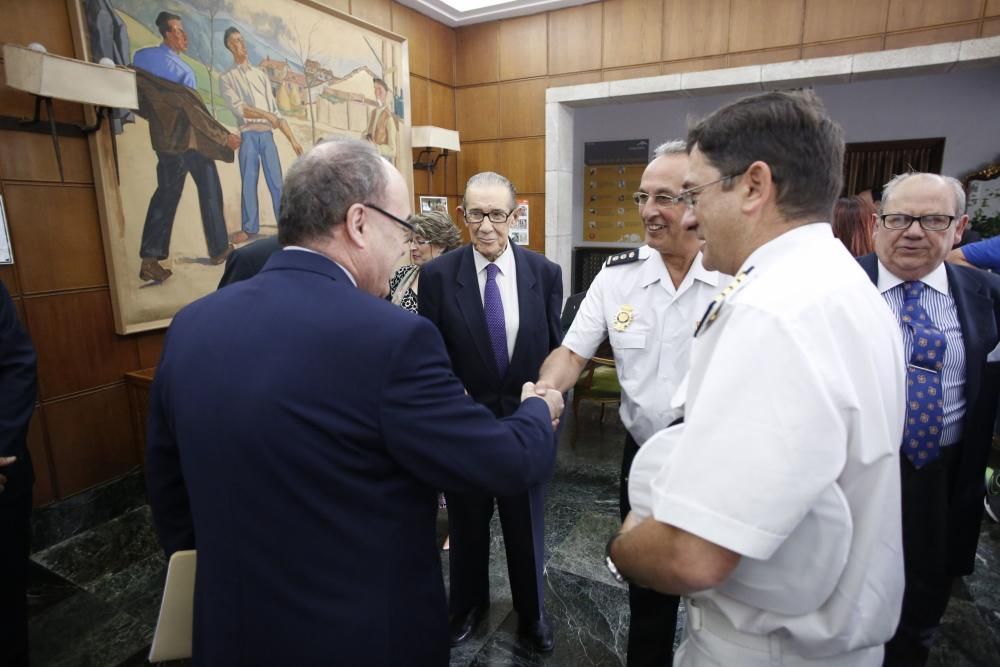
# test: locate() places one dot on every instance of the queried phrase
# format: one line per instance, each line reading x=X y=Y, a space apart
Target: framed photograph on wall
x=230 y=93
x=428 y=204
x=519 y=226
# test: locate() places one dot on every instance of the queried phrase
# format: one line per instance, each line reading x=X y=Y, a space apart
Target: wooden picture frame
x=324 y=68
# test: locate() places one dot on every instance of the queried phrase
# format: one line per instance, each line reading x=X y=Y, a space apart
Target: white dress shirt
x=795 y=403
x=652 y=352
x=936 y=299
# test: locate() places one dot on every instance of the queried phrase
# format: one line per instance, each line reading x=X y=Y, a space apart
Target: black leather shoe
x=461 y=626
x=539 y=633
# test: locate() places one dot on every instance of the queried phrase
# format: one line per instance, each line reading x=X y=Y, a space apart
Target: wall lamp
x=48 y=77
x=430 y=139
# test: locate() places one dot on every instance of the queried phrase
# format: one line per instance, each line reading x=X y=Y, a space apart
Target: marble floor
x=97 y=571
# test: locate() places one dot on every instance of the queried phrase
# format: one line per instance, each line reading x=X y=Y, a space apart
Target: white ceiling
x=456 y=13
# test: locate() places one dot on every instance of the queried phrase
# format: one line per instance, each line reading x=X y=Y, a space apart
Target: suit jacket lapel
x=529 y=302
x=975 y=314
x=470 y=303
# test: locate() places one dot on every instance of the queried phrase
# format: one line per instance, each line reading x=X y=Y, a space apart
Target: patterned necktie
x=495 y=322
x=924 y=400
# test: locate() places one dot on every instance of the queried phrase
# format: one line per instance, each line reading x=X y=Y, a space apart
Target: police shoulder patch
x=626 y=257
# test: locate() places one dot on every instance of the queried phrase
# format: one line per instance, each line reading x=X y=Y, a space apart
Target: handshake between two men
x=552 y=397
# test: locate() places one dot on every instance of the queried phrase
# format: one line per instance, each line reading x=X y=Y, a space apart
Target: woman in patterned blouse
x=434 y=234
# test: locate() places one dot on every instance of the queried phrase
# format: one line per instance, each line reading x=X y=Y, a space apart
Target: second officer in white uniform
x=647 y=301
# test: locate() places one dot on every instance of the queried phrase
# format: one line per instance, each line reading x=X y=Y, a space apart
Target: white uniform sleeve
x=589 y=328
x=763 y=437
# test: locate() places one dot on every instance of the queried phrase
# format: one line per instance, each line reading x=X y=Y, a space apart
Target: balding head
x=322 y=184
x=911 y=252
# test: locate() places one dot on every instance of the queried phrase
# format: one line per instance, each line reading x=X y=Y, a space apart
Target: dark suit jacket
x=450 y=298
x=301 y=455
x=247 y=261
x=17 y=400
x=977 y=299
x=178 y=118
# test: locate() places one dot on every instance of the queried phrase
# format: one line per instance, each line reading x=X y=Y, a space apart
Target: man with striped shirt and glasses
x=949 y=318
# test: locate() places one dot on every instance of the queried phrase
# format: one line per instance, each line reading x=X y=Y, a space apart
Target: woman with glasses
x=434 y=233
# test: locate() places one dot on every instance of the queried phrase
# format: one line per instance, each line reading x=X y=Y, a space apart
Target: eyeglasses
x=688 y=195
x=496 y=216
x=934 y=222
x=663 y=201
x=404 y=223
x=415 y=241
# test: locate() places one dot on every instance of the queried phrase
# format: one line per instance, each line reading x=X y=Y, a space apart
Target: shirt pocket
x=629 y=347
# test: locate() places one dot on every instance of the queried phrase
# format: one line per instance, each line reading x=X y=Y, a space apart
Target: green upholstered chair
x=599 y=383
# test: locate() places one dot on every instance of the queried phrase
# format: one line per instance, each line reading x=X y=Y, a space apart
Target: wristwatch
x=610 y=564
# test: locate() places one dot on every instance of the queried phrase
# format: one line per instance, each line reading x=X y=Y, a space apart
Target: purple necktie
x=495 y=323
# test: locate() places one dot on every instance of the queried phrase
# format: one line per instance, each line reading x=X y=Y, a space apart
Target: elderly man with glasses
x=306 y=476
x=646 y=301
x=497 y=307
x=949 y=317
x=774 y=509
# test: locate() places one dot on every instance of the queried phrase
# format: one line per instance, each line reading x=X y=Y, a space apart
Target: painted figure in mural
x=247 y=90
x=381 y=129
x=187 y=140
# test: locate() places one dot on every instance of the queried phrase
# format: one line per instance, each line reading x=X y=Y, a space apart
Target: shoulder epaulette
x=712 y=312
x=626 y=257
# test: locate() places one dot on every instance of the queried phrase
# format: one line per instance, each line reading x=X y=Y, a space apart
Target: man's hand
x=297 y=147
x=553 y=398
x=233 y=141
x=5 y=461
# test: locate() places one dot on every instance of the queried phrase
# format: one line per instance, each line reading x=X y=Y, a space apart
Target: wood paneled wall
x=81 y=433
x=505 y=66
x=487 y=80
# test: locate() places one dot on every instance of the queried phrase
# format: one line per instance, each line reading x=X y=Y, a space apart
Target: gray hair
x=953 y=183
x=488 y=178
x=672 y=147
x=438 y=228
x=321 y=185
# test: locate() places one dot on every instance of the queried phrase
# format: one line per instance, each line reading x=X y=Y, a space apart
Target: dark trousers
x=522 y=519
x=15 y=541
x=171 y=171
x=926 y=493
x=654 y=615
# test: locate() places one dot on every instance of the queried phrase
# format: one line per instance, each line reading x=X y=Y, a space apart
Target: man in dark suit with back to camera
x=306 y=477
x=17 y=403
x=497 y=307
x=951 y=397
x=247 y=261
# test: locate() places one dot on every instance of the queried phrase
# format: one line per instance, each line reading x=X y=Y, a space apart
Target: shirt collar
x=169 y=51
x=936 y=279
x=505 y=262
x=654 y=269
x=298 y=248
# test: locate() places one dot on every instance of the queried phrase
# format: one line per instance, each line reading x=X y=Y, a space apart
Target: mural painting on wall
x=230 y=93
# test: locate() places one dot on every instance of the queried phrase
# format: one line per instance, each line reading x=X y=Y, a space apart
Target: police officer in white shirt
x=646 y=301
x=776 y=510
